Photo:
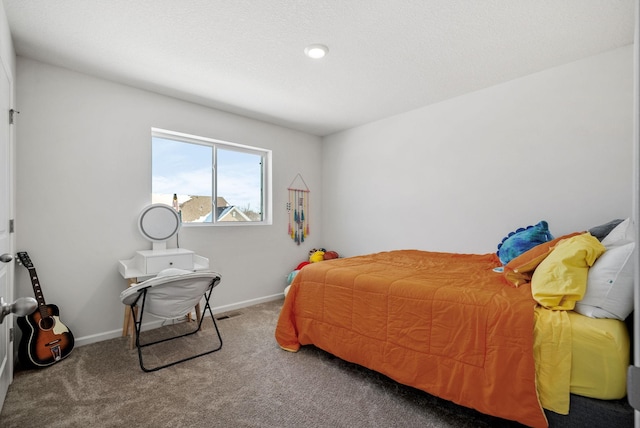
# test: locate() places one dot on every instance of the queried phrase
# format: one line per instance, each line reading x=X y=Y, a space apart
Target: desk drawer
x=178 y=261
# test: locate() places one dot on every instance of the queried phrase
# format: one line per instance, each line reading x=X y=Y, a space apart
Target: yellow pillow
x=519 y=270
x=560 y=280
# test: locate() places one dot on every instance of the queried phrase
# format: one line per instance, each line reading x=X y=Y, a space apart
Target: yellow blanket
x=579 y=355
x=557 y=284
x=552 y=351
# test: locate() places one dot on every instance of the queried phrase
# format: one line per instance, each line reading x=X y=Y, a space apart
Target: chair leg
x=127 y=320
x=132 y=338
x=198 y=314
x=127 y=328
x=138 y=326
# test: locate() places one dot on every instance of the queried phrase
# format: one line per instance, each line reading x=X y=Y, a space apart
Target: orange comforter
x=441 y=322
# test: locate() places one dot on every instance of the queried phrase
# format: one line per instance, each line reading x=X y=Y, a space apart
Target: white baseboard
x=246 y=303
x=99 y=337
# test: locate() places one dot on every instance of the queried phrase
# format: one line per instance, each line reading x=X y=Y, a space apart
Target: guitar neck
x=35 y=283
x=37 y=290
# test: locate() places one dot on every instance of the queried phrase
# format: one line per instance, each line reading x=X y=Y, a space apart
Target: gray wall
x=459 y=175
x=84 y=174
x=455 y=176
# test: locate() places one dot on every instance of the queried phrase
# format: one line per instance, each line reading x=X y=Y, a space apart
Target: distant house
x=198 y=209
x=229 y=213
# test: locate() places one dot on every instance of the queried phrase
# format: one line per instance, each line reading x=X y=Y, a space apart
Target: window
x=210 y=181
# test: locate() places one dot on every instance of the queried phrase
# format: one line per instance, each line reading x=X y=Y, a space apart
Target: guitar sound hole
x=46 y=323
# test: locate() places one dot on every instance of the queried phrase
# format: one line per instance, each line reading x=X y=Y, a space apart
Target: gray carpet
x=250 y=382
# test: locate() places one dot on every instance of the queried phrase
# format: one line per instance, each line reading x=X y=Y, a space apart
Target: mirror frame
x=159 y=222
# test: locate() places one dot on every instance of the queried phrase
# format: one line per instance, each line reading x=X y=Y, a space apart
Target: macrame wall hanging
x=298 y=209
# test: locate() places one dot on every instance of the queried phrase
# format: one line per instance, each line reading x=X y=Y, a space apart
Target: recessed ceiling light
x=316 y=51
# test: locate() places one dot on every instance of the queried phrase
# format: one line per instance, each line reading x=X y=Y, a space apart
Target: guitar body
x=45 y=339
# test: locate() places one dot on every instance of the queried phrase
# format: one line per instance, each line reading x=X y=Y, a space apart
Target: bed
x=471 y=328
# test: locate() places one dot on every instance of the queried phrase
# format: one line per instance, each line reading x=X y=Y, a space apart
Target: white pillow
x=610 y=284
x=622 y=232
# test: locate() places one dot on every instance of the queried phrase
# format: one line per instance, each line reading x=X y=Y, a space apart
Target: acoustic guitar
x=45 y=339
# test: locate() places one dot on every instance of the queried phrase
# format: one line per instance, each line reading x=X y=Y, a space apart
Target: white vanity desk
x=157 y=223
x=150 y=262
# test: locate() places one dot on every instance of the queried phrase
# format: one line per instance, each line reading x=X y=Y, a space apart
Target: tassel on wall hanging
x=298 y=210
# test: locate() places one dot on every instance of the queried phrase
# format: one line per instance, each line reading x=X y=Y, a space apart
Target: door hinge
x=11 y=224
x=12 y=114
x=11 y=334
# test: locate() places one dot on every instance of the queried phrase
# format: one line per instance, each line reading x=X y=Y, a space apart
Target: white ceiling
x=246 y=56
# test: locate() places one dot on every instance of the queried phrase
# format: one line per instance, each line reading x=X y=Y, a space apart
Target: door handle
x=21 y=307
x=6 y=258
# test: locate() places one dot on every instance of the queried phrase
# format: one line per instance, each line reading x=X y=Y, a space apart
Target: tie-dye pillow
x=523 y=239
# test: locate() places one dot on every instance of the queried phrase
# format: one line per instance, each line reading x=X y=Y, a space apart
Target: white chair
x=170 y=295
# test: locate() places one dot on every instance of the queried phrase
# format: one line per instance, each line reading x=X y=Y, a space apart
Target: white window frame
x=266 y=154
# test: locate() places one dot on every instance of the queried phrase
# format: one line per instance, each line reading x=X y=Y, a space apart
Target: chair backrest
x=171 y=296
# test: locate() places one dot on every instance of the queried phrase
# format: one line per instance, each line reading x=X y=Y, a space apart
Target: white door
x=6 y=286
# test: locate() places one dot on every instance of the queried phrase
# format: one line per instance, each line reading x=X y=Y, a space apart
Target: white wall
x=456 y=176
x=7 y=54
x=84 y=174
x=459 y=175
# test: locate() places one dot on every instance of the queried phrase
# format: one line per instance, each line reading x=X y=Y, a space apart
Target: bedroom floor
x=250 y=382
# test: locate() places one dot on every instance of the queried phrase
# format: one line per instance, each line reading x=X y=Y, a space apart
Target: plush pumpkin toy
x=328 y=255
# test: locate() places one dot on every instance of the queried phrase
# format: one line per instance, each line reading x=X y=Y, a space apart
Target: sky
x=185 y=169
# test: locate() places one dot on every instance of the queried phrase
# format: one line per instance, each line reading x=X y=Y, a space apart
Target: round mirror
x=159 y=222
